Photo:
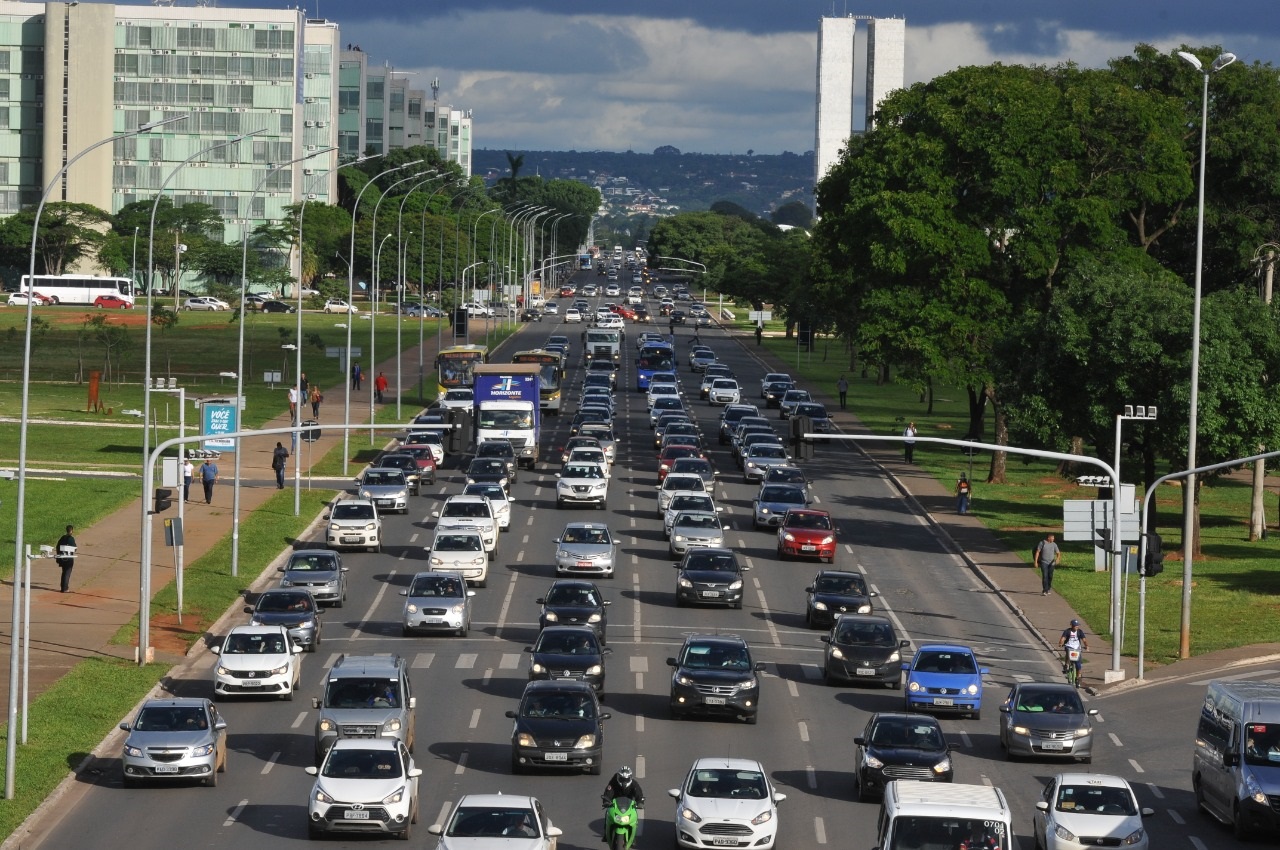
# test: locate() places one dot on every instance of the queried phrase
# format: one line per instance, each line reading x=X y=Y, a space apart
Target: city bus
x=78 y=288
x=584 y=261
x=654 y=357
x=456 y=366
x=550 y=378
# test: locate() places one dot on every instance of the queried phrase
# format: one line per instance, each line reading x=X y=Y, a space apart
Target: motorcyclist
x=622 y=784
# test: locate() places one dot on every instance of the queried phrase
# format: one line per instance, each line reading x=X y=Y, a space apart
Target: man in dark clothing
x=1048 y=556
x=66 y=556
x=356 y=376
x=279 y=458
x=208 y=477
x=621 y=784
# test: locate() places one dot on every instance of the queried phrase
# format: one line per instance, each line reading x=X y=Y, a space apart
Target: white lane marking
x=537 y=491
x=1155 y=790
x=792 y=689
x=271 y=762
x=964 y=737
x=235 y=813
x=506 y=604
x=848 y=548
x=884 y=609
x=1023 y=677
x=1253 y=674
x=804 y=731
x=462 y=764
x=530 y=522
x=635 y=559
x=986 y=780
x=509 y=661
x=640 y=682
x=525 y=541
x=1114 y=739
x=373 y=606
x=639 y=663
x=1196 y=842
x=444 y=811
x=811 y=776
x=639 y=722
x=819 y=831
x=475 y=719
x=520 y=556
x=768 y=619
x=817 y=500
x=635 y=608
x=1137 y=768
x=1177 y=818
x=633 y=522
x=413 y=538
x=299 y=720
x=466 y=661
x=639 y=767
x=422 y=660
x=488 y=674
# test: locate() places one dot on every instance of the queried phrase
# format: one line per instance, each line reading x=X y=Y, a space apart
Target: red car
x=111 y=302
x=807 y=534
x=566 y=291
x=423 y=454
x=624 y=311
x=669 y=456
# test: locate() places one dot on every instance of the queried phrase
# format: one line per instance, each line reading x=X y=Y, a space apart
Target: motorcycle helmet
x=624 y=776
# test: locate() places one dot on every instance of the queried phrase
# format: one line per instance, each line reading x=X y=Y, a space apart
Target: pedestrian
x=66 y=557
x=379 y=386
x=964 y=492
x=759 y=334
x=908 y=441
x=356 y=376
x=671 y=326
x=303 y=387
x=279 y=459
x=208 y=477
x=188 y=472
x=316 y=398
x=1048 y=556
x=842 y=387
x=293 y=404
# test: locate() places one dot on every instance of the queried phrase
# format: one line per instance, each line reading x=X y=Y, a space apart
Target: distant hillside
x=667 y=181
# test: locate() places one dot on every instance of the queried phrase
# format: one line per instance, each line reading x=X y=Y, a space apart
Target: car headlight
x=459 y=608
x=524 y=739
x=737 y=585
x=537 y=668
x=763 y=817
x=827 y=540
x=679 y=538
x=333 y=526
x=306 y=624
x=411 y=608
x=683 y=680
x=371 y=526
x=789 y=537
x=470 y=480
x=394 y=797
x=223 y=671
x=207 y=749
x=971 y=690
x=586 y=742
x=1084 y=732
x=942 y=766
x=689 y=814
x=873 y=763
x=475 y=562
x=1134 y=837
x=836 y=653
x=1063 y=833
x=551 y=616
x=435 y=562
x=894 y=658
x=864 y=609
x=392 y=725
x=749 y=684
x=684 y=582
x=1255 y=790
x=751 y=463
x=594 y=618
x=286 y=583
x=762 y=509
x=913 y=686
x=1021 y=730
x=132 y=751
x=327 y=725
x=281 y=670
x=594 y=670
x=819 y=606
x=321 y=797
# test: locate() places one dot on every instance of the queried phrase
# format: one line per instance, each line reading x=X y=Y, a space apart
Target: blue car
x=944 y=678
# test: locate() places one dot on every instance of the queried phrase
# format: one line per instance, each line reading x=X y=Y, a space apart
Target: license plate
x=557 y=756
x=166 y=768
x=584 y=563
x=351 y=540
x=941 y=701
x=866 y=671
x=808 y=548
x=710 y=594
x=714 y=701
x=382 y=502
x=356 y=814
x=433 y=621
x=253 y=683
x=1051 y=745
x=725 y=842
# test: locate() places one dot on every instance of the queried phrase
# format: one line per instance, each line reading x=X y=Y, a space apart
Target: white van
x=939 y=814
x=1235 y=770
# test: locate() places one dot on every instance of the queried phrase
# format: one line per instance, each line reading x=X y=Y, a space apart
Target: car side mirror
x=404 y=593
x=541 y=600
x=904 y=643
x=311 y=770
x=512 y=715
x=281 y=569
x=606 y=603
x=557 y=475
x=436 y=514
x=724 y=528
x=744 y=569
x=984 y=670
x=825 y=639
x=719 y=509
x=809 y=589
x=1004 y=709
x=1042 y=805
x=435 y=829
x=606 y=716
x=906 y=665
x=671 y=662
x=606 y=651
x=248 y=609
x=219 y=726
x=759 y=668
x=528 y=649
x=296 y=649
x=1093 y=712
x=873 y=593
x=1146 y=812
x=413 y=702
x=674 y=792
x=315 y=702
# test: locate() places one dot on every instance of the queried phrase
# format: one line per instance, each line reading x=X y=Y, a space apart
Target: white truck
x=508 y=407
x=939 y=814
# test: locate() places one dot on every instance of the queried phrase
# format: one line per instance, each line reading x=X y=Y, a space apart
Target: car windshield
x=583 y=470
x=436 y=586
x=571 y=706
x=656 y=362
x=171 y=718
x=796 y=395
x=937 y=832
x=724 y=384
x=945 y=662
x=847 y=584
x=457 y=543
x=254 y=644
x=493 y=492
x=1096 y=800
x=719 y=562
x=598 y=433
x=813 y=521
x=362 y=764
x=578 y=534
x=469 y=510
x=865 y=634
x=716 y=657
x=348 y=510
x=907 y=733
x=459 y=395
x=786 y=475
x=694 y=465
x=510 y=419
x=570 y=594
x=1051 y=702
x=692 y=502
x=683 y=482
x=782 y=493
x=487 y=466
x=362 y=693
x=320 y=563
x=492 y=448
x=567 y=643
x=493 y=822
x=383 y=478
x=697 y=521
x=767 y=450
x=737 y=784
x=813 y=411
x=285 y=602
x=401 y=462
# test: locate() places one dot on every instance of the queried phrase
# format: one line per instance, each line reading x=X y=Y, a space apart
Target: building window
x=397 y=100
x=33 y=62
x=373 y=128
x=4 y=172
x=375 y=89
x=349 y=98
x=286 y=123
x=4 y=61
x=137 y=37
x=4 y=121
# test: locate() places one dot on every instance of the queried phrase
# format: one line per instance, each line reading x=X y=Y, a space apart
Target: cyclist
x=621 y=784
x=1072 y=639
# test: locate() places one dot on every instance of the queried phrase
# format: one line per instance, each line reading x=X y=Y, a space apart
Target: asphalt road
x=804 y=737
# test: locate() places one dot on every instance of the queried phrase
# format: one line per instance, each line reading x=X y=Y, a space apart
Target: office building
x=886 y=62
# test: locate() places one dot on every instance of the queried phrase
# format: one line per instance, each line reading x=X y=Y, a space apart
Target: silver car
x=175 y=739
x=686 y=501
x=696 y=529
x=585 y=548
x=319 y=571
x=387 y=488
x=496 y=822
x=437 y=602
x=673 y=484
x=760 y=457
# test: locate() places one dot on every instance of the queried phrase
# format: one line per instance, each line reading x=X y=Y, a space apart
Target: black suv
x=709 y=577
x=714 y=674
x=559 y=725
x=568 y=652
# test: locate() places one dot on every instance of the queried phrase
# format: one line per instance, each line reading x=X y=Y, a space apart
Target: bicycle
x=1071 y=664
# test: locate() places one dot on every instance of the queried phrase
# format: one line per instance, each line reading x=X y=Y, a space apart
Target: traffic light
x=1153 y=563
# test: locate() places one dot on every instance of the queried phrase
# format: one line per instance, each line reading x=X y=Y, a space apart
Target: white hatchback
x=255 y=660
x=572 y=315
x=726 y=796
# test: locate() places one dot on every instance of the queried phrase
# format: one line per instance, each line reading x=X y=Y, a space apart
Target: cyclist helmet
x=624 y=776
x=1075 y=622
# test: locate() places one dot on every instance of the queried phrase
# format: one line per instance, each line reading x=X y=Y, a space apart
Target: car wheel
x=830 y=559
x=679 y=601
x=977 y=714
x=341 y=600
x=403 y=835
x=863 y=795
x=405 y=631
x=560 y=503
x=127 y=781
x=752 y=719
x=482 y=583
x=594 y=770
x=516 y=767
x=211 y=779
x=311 y=647
x=895 y=684
x=1240 y=827
x=1087 y=760
x=287 y=696
x=738 y=605
x=314 y=832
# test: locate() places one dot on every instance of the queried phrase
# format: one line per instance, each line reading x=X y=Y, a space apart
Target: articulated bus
x=78 y=288
x=654 y=357
x=550 y=378
x=456 y=366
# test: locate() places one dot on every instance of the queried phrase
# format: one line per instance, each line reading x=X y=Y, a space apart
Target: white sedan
x=337 y=305
x=1080 y=810
x=572 y=315
x=205 y=302
x=726 y=796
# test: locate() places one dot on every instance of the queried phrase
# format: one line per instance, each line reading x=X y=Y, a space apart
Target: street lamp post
x=401 y=252
x=1189 y=518
x=1140 y=413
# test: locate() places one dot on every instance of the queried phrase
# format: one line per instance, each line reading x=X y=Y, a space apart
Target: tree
x=69 y=233
x=793 y=214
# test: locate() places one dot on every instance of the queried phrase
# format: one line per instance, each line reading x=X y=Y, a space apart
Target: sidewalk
x=67 y=628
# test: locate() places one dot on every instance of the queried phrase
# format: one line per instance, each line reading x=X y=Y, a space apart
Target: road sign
x=313 y=431
x=760 y=315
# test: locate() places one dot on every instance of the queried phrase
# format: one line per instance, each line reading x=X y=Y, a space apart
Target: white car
x=684 y=501
x=588 y=454
x=205 y=302
x=364 y=785
x=19 y=299
x=470 y=513
x=726 y=796
x=499 y=500
x=459 y=398
x=256 y=660
x=572 y=315
x=460 y=551
x=338 y=305
x=354 y=524
x=1081 y=810
x=583 y=483
x=724 y=391
x=610 y=322
x=496 y=822
x=673 y=484
x=656 y=390
x=551 y=308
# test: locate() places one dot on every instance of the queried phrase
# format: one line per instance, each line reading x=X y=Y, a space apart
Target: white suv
x=364 y=785
x=354 y=524
x=470 y=513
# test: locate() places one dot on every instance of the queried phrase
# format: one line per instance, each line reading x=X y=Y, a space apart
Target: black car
x=642 y=314
x=835 y=592
x=729 y=419
x=863 y=648
x=775 y=390
x=817 y=414
x=558 y=725
x=575 y=603
x=714 y=674
x=488 y=470
x=277 y=307
x=677 y=317
x=407 y=464
x=900 y=746
x=709 y=577
x=583 y=417
x=500 y=449
x=296 y=610
x=568 y=652
x=531 y=314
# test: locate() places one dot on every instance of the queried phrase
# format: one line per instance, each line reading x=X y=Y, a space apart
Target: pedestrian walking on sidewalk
x=188 y=473
x=279 y=459
x=356 y=376
x=66 y=556
x=909 y=444
x=964 y=492
x=1048 y=556
x=316 y=398
x=208 y=477
x=842 y=387
x=759 y=334
x=303 y=387
x=379 y=387
x=293 y=405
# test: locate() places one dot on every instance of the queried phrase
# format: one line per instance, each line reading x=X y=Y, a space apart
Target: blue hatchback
x=944 y=678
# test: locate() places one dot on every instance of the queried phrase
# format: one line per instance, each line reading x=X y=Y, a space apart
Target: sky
x=727 y=76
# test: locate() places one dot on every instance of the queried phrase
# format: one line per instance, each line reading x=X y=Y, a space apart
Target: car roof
x=389 y=744
x=1093 y=779
x=1046 y=687
x=727 y=640
x=497 y=801
x=804 y=511
x=181 y=702
x=462 y=497
x=557 y=686
x=945 y=647
x=586 y=525
x=709 y=762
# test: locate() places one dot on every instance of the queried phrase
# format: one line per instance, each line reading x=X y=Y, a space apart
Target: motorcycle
x=621 y=819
